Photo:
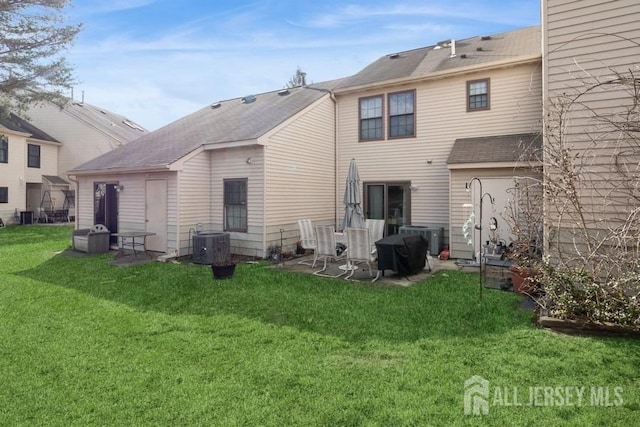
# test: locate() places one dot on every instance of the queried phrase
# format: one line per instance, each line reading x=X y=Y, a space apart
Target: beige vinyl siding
x=10 y=174
x=194 y=197
x=131 y=202
x=460 y=196
x=232 y=163
x=585 y=43
x=300 y=177
x=82 y=142
x=441 y=118
x=48 y=162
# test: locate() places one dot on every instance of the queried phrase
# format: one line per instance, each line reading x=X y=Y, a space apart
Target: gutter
x=160 y=168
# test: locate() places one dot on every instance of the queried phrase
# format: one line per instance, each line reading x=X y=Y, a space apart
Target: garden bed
x=581 y=326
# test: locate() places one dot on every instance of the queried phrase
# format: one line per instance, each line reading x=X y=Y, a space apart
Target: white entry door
x=156 y=214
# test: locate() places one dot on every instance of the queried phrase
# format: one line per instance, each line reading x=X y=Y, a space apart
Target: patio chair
x=326 y=248
x=308 y=240
x=91 y=240
x=359 y=250
x=376 y=231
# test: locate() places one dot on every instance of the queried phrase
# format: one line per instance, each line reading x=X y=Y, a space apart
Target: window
x=235 y=205
x=371 y=118
x=34 y=156
x=478 y=95
x=4 y=149
x=4 y=194
x=401 y=114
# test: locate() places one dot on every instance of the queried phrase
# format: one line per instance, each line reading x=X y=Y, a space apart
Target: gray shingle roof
x=56 y=180
x=424 y=61
x=115 y=125
x=13 y=122
x=497 y=148
x=231 y=120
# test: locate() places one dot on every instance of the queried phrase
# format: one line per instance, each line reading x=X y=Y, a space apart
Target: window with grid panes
x=235 y=205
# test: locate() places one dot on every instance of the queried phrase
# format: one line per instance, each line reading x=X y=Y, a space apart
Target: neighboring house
x=251 y=166
x=26 y=154
x=86 y=131
x=33 y=173
x=422 y=123
x=594 y=44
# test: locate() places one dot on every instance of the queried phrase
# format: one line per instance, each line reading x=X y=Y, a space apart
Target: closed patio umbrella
x=353 y=216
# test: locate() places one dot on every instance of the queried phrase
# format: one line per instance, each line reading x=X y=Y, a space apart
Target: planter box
x=223 y=271
x=570 y=326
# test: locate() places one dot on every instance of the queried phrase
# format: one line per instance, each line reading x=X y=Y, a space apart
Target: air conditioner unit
x=209 y=248
x=433 y=236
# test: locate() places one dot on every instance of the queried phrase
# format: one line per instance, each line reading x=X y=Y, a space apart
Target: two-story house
x=422 y=123
x=81 y=132
x=26 y=155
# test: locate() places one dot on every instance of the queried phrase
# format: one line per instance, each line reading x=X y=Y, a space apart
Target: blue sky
x=155 y=61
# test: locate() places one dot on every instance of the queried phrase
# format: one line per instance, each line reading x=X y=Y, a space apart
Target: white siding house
x=411 y=179
x=26 y=155
x=237 y=165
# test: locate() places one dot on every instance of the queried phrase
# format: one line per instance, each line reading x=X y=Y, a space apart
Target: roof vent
x=436 y=47
x=394 y=56
x=485 y=38
x=284 y=92
x=216 y=105
x=130 y=124
x=248 y=99
x=479 y=49
x=463 y=56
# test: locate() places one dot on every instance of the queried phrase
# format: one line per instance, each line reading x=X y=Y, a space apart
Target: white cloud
x=159 y=74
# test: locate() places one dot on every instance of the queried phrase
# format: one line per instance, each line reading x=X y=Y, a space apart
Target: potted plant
x=222 y=266
x=525 y=256
x=223 y=271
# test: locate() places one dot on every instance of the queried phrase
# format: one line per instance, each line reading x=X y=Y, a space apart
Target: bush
x=574 y=294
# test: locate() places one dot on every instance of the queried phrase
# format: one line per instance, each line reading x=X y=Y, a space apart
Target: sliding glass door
x=390 y=201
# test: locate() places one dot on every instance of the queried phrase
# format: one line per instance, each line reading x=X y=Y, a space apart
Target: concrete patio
x=390 y=278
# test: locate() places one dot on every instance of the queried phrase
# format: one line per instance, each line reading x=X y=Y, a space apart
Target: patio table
x=135 y=240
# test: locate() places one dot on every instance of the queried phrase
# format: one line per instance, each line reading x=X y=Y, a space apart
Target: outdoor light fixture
x=119 y=188
x=248 y=160
x=468 y=186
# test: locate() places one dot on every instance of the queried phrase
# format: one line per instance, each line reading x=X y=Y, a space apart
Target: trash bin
x=26 y=217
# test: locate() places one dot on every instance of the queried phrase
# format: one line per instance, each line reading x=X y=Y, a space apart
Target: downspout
x=332 y=96
x=335 y=155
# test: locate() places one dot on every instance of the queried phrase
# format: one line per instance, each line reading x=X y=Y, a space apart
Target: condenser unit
x=210 y=248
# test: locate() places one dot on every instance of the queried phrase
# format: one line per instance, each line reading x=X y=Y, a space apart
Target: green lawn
x=86 y=343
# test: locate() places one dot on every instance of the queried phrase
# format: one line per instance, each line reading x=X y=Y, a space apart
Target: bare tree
x=298 y=79
x=591 y=184
x=33 y=36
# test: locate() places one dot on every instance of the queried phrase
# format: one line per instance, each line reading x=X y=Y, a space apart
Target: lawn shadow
x=444 y=306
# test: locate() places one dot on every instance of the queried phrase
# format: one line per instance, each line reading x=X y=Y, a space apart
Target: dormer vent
x=284 y=92
x=248 y=99
x=394 y=56
x=216 y=105
x=485 y=38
